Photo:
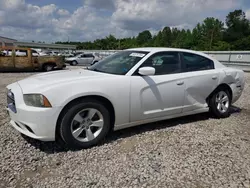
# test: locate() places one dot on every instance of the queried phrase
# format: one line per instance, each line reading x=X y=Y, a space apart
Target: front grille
x=11 y=101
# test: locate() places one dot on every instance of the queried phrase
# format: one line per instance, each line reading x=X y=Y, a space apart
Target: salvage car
x=129 y=88
x=26 y=59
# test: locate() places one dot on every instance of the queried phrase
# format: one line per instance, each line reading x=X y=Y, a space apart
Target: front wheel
x=220 y=103
x=85 y=124
x=74 y=63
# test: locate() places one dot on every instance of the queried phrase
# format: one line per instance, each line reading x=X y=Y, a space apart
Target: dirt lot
x=194 y=151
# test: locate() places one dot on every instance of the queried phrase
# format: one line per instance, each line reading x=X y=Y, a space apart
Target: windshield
x=119 y=63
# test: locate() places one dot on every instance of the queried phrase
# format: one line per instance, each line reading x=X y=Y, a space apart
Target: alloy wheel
x=87 y=125
x=222 y=102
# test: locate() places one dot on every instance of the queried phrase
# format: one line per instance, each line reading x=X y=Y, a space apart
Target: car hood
x=44 y=81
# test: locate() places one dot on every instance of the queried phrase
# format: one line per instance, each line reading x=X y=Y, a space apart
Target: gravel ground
x=194 y=151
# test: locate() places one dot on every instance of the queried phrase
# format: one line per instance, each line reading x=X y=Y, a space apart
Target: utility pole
x=211 y=39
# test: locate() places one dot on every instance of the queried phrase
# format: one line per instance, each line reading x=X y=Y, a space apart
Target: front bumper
x=37 y=123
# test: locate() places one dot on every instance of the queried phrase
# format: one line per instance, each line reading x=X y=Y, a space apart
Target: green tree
x=179 y=37
x=238 y=26
x=208 y=33
x=144 y=37
x=242 y=44
x=166 y=37
x=111 y=42
x=222 y=46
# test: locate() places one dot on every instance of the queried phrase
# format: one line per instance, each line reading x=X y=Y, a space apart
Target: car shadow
x=57 y=147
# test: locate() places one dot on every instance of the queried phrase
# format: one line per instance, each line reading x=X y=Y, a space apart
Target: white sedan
x=128 y=88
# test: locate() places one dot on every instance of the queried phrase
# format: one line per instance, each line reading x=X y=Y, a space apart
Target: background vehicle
x=83 y=59
x=77 y=53
x=66 y=54
x=129 y=88
x=34 y=52
x=26 y=59
x=19 y=52
x=53 y=53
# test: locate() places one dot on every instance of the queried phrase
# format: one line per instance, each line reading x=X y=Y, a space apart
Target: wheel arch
x=106 y=102
x=48 y=63
x=221 y=86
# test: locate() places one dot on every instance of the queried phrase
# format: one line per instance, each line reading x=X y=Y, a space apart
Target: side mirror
x=146 y=71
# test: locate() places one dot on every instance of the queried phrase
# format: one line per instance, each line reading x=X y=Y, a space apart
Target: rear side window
x=194 y=62
x=88 y=55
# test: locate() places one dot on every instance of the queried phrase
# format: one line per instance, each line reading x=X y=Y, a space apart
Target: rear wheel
x=220 y=103
x=48 y=67
x=85 y=124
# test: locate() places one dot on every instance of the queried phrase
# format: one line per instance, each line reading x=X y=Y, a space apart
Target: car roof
x=160 y=49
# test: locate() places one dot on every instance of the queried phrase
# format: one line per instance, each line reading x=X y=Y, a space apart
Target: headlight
x=36 y=100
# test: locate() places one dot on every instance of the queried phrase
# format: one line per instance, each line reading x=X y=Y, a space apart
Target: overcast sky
x=83 y=20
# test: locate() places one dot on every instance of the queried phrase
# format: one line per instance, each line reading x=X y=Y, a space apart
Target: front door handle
x=180 y=83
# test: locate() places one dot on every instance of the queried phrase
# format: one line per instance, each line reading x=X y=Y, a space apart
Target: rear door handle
x=180 y=83
x=214 y=77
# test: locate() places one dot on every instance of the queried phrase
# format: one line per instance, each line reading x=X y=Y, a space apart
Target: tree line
x=211 y=34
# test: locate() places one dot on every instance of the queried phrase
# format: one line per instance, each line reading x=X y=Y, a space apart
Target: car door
x=80 y=59
x=84 y=59
x=90 y=58
x=161 y=94
x=23 y=60
x=200 y=77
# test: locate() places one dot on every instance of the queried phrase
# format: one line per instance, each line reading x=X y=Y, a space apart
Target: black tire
x=71 y=111
x=213 y=104
x=74 y=63
x=48 y=67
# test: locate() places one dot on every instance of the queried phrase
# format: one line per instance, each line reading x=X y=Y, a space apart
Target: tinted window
x=195 y=62
x=88 y=55
x=164 y=63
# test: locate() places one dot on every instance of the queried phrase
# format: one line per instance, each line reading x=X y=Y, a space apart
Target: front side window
x=164 y=63
x=194 y=62
x=119 y=63
x=88 y=55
